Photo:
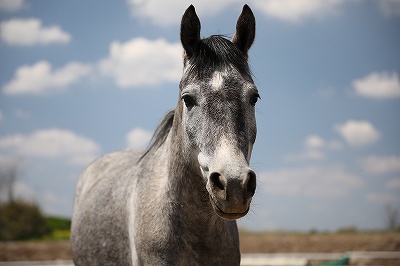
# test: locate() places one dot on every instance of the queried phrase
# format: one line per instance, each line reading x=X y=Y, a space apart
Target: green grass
x=59 y=228
x=58 y=223
x=58 y=235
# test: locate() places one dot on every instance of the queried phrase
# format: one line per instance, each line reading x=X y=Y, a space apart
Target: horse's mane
x=215 y=53
x=160 y=134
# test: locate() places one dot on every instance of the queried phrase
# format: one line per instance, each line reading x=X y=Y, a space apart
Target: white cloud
x=28 y=32
x=296 y=11
x=138 y=138
x=378 y=85
x=390 y=7
x=314 y=142
x=315 y=148
x=313 y=182
x=358 y=133
x=41 y=78
x=142 y=62
x=11 y=5
x=52 y=143
x=162 y=13
x=380 y=164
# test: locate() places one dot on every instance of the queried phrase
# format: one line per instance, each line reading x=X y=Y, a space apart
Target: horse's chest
x=176 y=232
x=189 y=255
x=177 y=248
x=210 y=256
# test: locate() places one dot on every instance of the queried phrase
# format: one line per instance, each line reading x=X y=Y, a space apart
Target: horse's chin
x=225 y=215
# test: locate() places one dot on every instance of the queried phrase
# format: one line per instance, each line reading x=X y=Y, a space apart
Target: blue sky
x=82 y=78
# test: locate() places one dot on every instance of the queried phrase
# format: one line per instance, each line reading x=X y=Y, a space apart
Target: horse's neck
x=184 y=178
x=186 y=185
x=182 y=203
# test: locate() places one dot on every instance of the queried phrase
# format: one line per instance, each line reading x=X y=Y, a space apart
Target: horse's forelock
x=215 y=54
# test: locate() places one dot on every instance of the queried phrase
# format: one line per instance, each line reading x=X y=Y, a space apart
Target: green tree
x=21 y=220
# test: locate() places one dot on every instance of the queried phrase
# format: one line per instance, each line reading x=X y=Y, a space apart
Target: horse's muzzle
x=231 y=196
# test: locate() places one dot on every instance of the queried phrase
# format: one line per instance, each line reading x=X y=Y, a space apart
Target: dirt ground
x=32 y=250
x=335 y=243
x=250 y=243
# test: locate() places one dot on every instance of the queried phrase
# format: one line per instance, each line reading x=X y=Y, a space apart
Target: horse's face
x=219 y=121
x=218 y=100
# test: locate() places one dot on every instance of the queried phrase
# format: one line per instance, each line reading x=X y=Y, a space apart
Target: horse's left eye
x=189 y=101
x=254 y=99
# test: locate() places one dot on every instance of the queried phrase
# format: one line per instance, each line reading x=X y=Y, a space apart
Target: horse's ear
x=190 y=31
x=245 y=30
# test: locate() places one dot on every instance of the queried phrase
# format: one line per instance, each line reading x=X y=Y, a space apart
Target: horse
x=176 y=203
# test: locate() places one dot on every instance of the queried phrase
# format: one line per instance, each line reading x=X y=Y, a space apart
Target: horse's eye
x=188 y=100
x=254 y=99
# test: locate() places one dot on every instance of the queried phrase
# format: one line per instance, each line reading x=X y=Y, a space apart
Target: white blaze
x=217 y=80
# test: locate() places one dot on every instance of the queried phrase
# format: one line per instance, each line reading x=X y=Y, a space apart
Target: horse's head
x=217 y=109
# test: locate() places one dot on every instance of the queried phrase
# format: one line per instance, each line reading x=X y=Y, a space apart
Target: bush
x=58 y=223
x=20 y=220
x=58 y=235
x=60 y=228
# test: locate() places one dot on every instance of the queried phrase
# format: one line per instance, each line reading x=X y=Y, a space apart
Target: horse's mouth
x=225 y=215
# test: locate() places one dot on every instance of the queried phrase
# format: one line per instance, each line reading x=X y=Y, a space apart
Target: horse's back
x=100 y=232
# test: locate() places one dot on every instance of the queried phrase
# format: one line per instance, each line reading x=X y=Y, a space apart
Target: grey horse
x=176 y=203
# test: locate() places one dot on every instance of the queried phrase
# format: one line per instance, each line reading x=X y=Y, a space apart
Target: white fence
x=300 y=259
x=38 y=263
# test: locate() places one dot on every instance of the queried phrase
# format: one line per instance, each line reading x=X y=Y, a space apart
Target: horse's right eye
x=254 y=99
x=189 y=101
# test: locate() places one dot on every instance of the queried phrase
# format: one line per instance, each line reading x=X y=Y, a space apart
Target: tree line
x=20 y=219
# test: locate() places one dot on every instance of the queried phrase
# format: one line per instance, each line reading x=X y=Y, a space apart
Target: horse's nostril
x=251 y=184
x=216 y=181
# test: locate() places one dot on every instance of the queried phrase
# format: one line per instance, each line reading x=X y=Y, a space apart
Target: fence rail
x=37 y=263
x=293 y=259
